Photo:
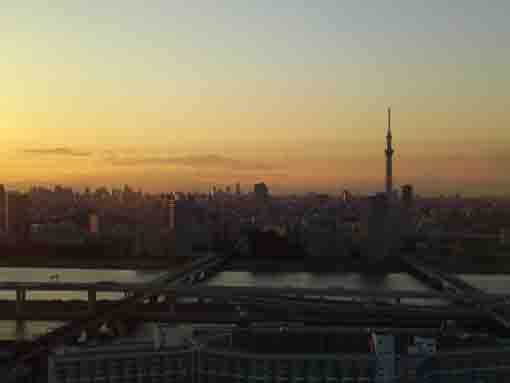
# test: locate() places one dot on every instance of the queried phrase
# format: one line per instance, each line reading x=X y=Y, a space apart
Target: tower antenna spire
x=389 y=158
x=389 y=120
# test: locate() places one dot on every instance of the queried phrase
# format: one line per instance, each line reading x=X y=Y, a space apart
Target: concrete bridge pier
x=120 y=328
x=21 y=329
x=92 y=299
x=21 y=296
x=170 y=301
x=92 y=332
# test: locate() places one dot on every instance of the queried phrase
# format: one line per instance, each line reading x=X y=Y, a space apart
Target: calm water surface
x=390 y=282
x=492 y=283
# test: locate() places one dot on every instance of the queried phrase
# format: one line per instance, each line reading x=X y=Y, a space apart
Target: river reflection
x=390 y=282
x=490 y=283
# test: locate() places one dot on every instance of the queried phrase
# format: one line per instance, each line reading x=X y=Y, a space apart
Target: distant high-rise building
x=379 y=209
x=346 y=196
x=3 y=209
x=389 y=159
x=261 y=192
x=180 y=223
x=407 y=196
x=381 y=222
x=17 y=214
x=238 y=189
x=170 y=218
x=407 y=214
x=93 y=223
x=129 y=197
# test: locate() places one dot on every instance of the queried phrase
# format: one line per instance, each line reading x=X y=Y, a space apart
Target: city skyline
x=174 y=97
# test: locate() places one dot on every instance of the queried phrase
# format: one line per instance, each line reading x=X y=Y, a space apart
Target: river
x=10 y=330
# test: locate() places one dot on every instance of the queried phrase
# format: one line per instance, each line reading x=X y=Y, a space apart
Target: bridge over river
x=25 y=354
x=179 y=297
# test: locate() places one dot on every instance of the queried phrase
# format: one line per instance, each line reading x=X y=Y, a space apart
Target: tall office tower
x=180 y=224
x=407 y=196
x=379 y=227
x=407 y=221
x=170 y=216
x=389 y=159
x=17 y=214
x=346 y=196
x=261 y=192
x=3 y=209
x=238 y=189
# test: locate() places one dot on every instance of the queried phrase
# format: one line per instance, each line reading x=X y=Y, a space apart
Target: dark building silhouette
x=3 y=209
x=94 y=224
x=407 y=196
x=179 y=221
x=17 y=215
x=261 y=192
x=378 y=225
x=346 y=196
x=389 y=158
x=170 y=208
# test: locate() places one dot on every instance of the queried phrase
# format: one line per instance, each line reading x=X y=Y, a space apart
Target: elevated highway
x=496 y=306
x=25 y=354
x=251 y=311
x=186 y=289
x=173 y=297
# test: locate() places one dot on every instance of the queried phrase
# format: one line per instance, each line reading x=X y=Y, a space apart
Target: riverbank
x=486 y=264
x=462 y=264
x=92 y=262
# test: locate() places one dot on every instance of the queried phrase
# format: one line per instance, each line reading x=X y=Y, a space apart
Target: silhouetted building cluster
x=179 y=224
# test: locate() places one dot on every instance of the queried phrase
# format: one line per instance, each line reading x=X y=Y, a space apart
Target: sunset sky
x=168 y=95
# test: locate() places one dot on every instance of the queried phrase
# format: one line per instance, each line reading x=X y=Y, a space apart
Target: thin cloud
x=59 y=151
x=210 y=161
